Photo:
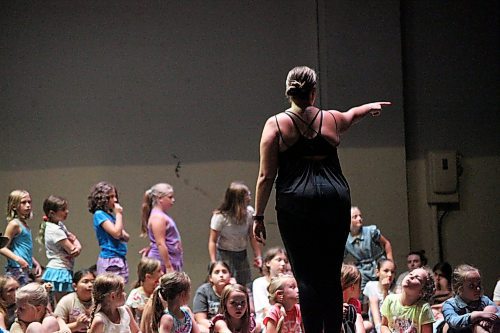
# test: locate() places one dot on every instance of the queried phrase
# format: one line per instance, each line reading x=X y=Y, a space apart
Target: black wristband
x=258 y=218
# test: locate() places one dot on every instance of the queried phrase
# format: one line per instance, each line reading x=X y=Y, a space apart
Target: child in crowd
x=415 y=259
x=442 y=281
x=409 y=311
x=8 y=288
x=469 y=310
x=164 y=237
x=377 y=291
x=19 y=251
x=206 y=301
x=284 y=315
x=109 y=229
x=367 y=245
x=110 y=315
x=148 y=274
x=173 y=290
x=33 y=314
x=230 y=232
x=61 y=247
x=75 y=308
x=275 y=262
x=350 y=279
x=234 y=313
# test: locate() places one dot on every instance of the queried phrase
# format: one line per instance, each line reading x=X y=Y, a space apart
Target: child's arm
x=115 y=230
x=221 y=327
x=69 y=247
x=166 y=323
x=360 y=328
x=97 y=325
x=426 y=328
x=37 y=267
x=195 y=329
x=271 y=326
x=133 y=324
x=386 y=244
x=375 y=311
x=12 y=231
x=384 y=328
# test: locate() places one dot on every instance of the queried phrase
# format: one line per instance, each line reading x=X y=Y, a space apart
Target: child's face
x=60 y=215
x=220 y=276
x=472 y=288
x=24 y=208
x=29 y=313
x=415 y=280
x=154 y=278
x=9 y=291
x=277 y=265
x=248 y=197
x=112 y=199
x=356 y=218
x=386 y=272
x=290 y=291
x=440 y=281
x=167 y=201
x=413 y=261
x=84 y=287
x=237 y=304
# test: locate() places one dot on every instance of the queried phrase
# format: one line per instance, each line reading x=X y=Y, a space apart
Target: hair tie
x=297 y=84
x=45 y=218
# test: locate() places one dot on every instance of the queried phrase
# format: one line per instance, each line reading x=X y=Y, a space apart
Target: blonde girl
x=377 y=291
x=148 y=274
x=275 y=263
x=61 y=246
x=410 y=312
x=109 y=229
x=110 y=315
x=470 y=310
x=173 y=290
x=160 y=228
x=33 y=314
x=8 y=288
x=285 y=311
x=234 y=312
x=350 y=279
x=19 y=250
x=231 y=231
x=206 y=302
x=75 y=308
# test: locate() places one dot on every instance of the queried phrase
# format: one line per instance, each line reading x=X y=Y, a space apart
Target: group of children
x=94 y=300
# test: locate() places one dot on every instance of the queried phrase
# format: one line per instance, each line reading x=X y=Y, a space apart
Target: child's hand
x=117 y=209
x=483 y=315
x=82 y=321
x=345 y=307
x=23 y=263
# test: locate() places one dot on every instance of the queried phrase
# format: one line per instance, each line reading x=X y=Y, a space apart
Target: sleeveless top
x=310 y=168
x=122 y=327
x=21 y=245
x=172 y=240
x=181 y=326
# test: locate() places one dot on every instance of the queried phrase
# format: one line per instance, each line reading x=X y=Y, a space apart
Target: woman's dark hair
x=421 y=254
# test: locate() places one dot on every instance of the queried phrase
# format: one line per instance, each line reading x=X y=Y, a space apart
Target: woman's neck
x=355 y=231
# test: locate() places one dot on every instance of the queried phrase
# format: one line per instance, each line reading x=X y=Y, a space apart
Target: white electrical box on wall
x=442 y=177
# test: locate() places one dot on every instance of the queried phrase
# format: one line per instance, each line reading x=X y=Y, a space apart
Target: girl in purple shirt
x=164 y=237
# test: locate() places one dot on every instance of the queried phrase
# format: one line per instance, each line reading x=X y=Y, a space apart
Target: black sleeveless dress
x=313 y=210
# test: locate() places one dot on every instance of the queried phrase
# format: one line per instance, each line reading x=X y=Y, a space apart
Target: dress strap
x=279 y=129
x=336 y=126
x=308 y=124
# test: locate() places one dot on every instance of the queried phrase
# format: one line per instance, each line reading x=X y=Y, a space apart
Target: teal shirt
x=21 y=245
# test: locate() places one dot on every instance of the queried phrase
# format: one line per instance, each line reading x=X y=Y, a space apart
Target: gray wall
x=124 y=91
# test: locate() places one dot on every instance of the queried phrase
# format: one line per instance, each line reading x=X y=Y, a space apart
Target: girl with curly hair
x=109 y=229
